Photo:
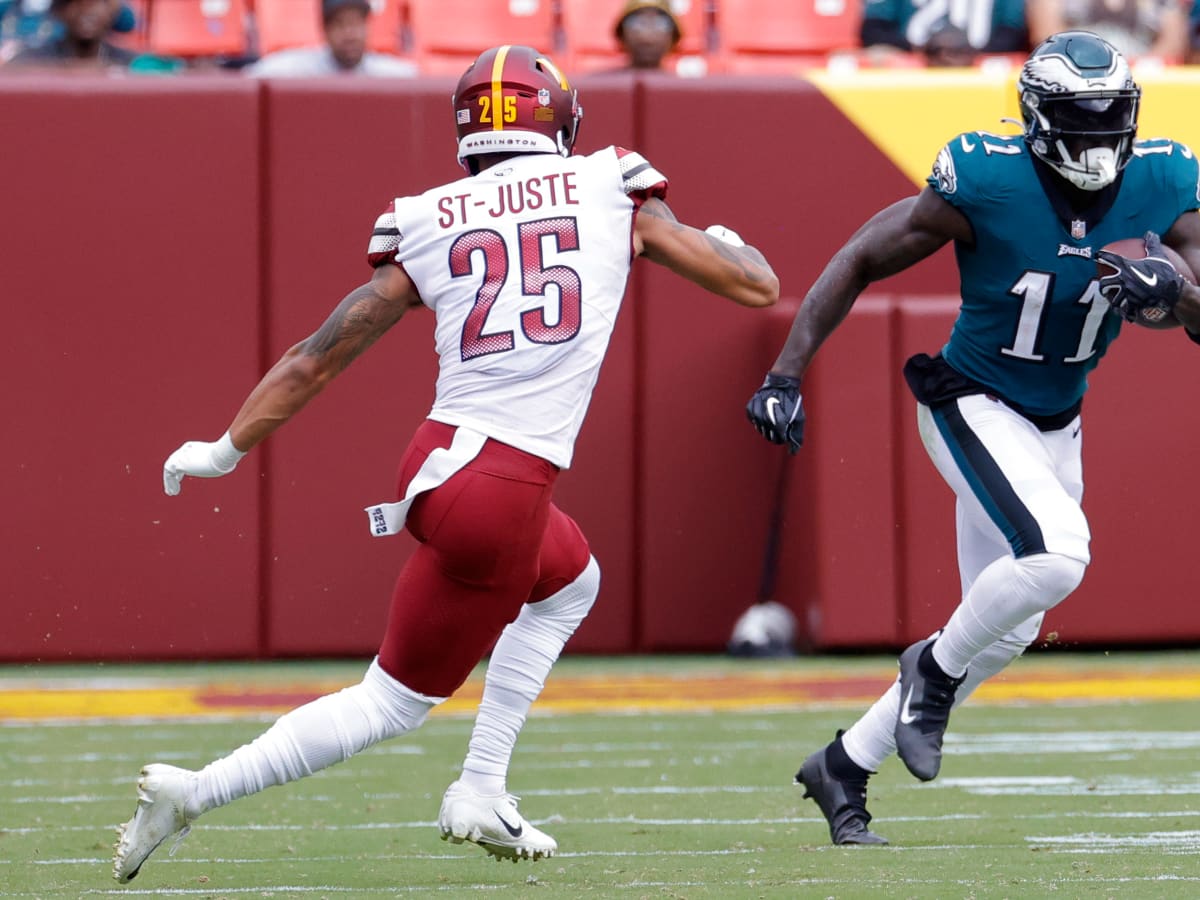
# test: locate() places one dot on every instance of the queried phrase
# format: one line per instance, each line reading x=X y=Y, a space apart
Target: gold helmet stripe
x=554 y=70
x=497 y=87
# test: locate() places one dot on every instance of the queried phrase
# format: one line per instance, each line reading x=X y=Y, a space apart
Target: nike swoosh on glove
x=1148 y=287
x=777 y=412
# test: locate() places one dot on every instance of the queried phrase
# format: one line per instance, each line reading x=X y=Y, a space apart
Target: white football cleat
x=163 y=792
x=494 y=823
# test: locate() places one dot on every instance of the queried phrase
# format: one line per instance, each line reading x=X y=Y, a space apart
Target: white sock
x=516 y=673
x=995 y=657
x=328 y=730
x=1006 y=593
x=872 y=739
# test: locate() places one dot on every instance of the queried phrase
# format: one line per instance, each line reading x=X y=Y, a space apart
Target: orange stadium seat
x=383 y=30
x=198 y=27
x=768 y=36
x=448 y=34
x=287 y=23
x=588 y=29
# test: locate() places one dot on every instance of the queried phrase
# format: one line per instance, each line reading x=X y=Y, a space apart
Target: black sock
x=928 y=666
x=840 y=765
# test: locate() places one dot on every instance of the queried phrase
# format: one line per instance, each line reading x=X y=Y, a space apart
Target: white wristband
x=728 y=235
x=225 y=456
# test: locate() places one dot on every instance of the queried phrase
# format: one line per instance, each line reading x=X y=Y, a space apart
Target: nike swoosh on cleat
x=1150 y=281
x=905 y=716
x=515 y=832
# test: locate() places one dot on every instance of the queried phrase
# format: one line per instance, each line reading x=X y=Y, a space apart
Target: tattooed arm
x=740 y=273
x=304 y=370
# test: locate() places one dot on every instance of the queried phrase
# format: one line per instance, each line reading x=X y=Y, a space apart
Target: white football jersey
x=525 y=266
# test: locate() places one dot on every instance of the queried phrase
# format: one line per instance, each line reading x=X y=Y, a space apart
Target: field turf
x=1075 y=776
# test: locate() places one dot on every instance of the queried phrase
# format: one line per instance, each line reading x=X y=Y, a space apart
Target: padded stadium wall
x=165 y=240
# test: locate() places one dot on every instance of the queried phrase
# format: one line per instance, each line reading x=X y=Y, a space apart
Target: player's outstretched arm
x=891 y=241
x=301 y=373
x=716 y=259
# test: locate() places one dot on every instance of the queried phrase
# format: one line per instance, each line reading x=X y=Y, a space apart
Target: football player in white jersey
x=524 y=263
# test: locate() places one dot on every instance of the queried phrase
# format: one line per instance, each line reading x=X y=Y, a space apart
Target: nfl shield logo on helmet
x=544 y=97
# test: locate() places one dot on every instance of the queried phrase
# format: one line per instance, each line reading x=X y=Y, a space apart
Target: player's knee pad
x=391 y=707
x=565 y=610
x=1049 y=578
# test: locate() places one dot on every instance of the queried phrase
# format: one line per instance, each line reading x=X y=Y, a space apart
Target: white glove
x=728 y=235
x=201 y=459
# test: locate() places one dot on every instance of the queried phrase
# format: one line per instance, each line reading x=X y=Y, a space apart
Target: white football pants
x=1022 y=545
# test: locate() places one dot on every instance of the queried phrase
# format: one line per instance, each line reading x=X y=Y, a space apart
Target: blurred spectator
x=1141 y=29
x=82 y=41
x=28 y=23
x=959 y=29
x=948 y=45
x=647 y=31
x=344 y=51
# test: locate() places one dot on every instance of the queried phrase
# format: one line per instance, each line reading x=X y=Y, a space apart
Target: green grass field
x=1086 y=798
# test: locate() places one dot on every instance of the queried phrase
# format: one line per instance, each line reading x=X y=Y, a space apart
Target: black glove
x=776 y=411
x=1148 y=287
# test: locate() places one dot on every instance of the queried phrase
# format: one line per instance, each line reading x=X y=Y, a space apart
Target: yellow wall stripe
x=910 y=115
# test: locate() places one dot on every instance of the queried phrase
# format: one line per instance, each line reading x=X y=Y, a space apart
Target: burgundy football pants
x=491 y=540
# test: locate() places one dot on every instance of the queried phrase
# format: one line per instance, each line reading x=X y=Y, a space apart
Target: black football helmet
x=1079 y=104
x=513 y=99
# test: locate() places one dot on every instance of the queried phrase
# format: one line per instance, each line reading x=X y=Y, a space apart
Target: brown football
x=1135 y=248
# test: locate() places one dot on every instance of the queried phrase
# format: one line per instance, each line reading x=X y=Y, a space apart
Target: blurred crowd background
x=685 y=38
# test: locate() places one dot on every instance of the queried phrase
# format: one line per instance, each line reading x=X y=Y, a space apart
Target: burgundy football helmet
x=513 y=99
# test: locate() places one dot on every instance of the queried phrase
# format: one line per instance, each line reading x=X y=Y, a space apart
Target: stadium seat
x=383 y=30
x=297 y=23
x=448 y=34
x=757 y=35
x=287 y=23
x=588 y=32
x=192 y=28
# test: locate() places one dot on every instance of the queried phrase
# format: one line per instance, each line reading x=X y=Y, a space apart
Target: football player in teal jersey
x=999 y=405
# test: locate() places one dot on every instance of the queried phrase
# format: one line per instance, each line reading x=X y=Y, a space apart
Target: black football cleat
x=843 y=803
x=925 y=704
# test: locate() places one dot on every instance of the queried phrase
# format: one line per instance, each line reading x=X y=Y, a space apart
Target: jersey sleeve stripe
x=385 y=239
x=638 y=176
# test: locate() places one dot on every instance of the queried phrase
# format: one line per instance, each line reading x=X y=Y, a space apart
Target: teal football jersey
x=1033 y=323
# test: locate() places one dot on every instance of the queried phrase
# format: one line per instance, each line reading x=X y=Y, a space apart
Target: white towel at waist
x=438 y=468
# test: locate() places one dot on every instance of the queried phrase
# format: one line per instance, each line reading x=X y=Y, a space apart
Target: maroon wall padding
x=838 y=564
x=1140 y=433
x=755 y=156
x=336 y=156
x=926 y=552
x=166 y=240
x=130 y=246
